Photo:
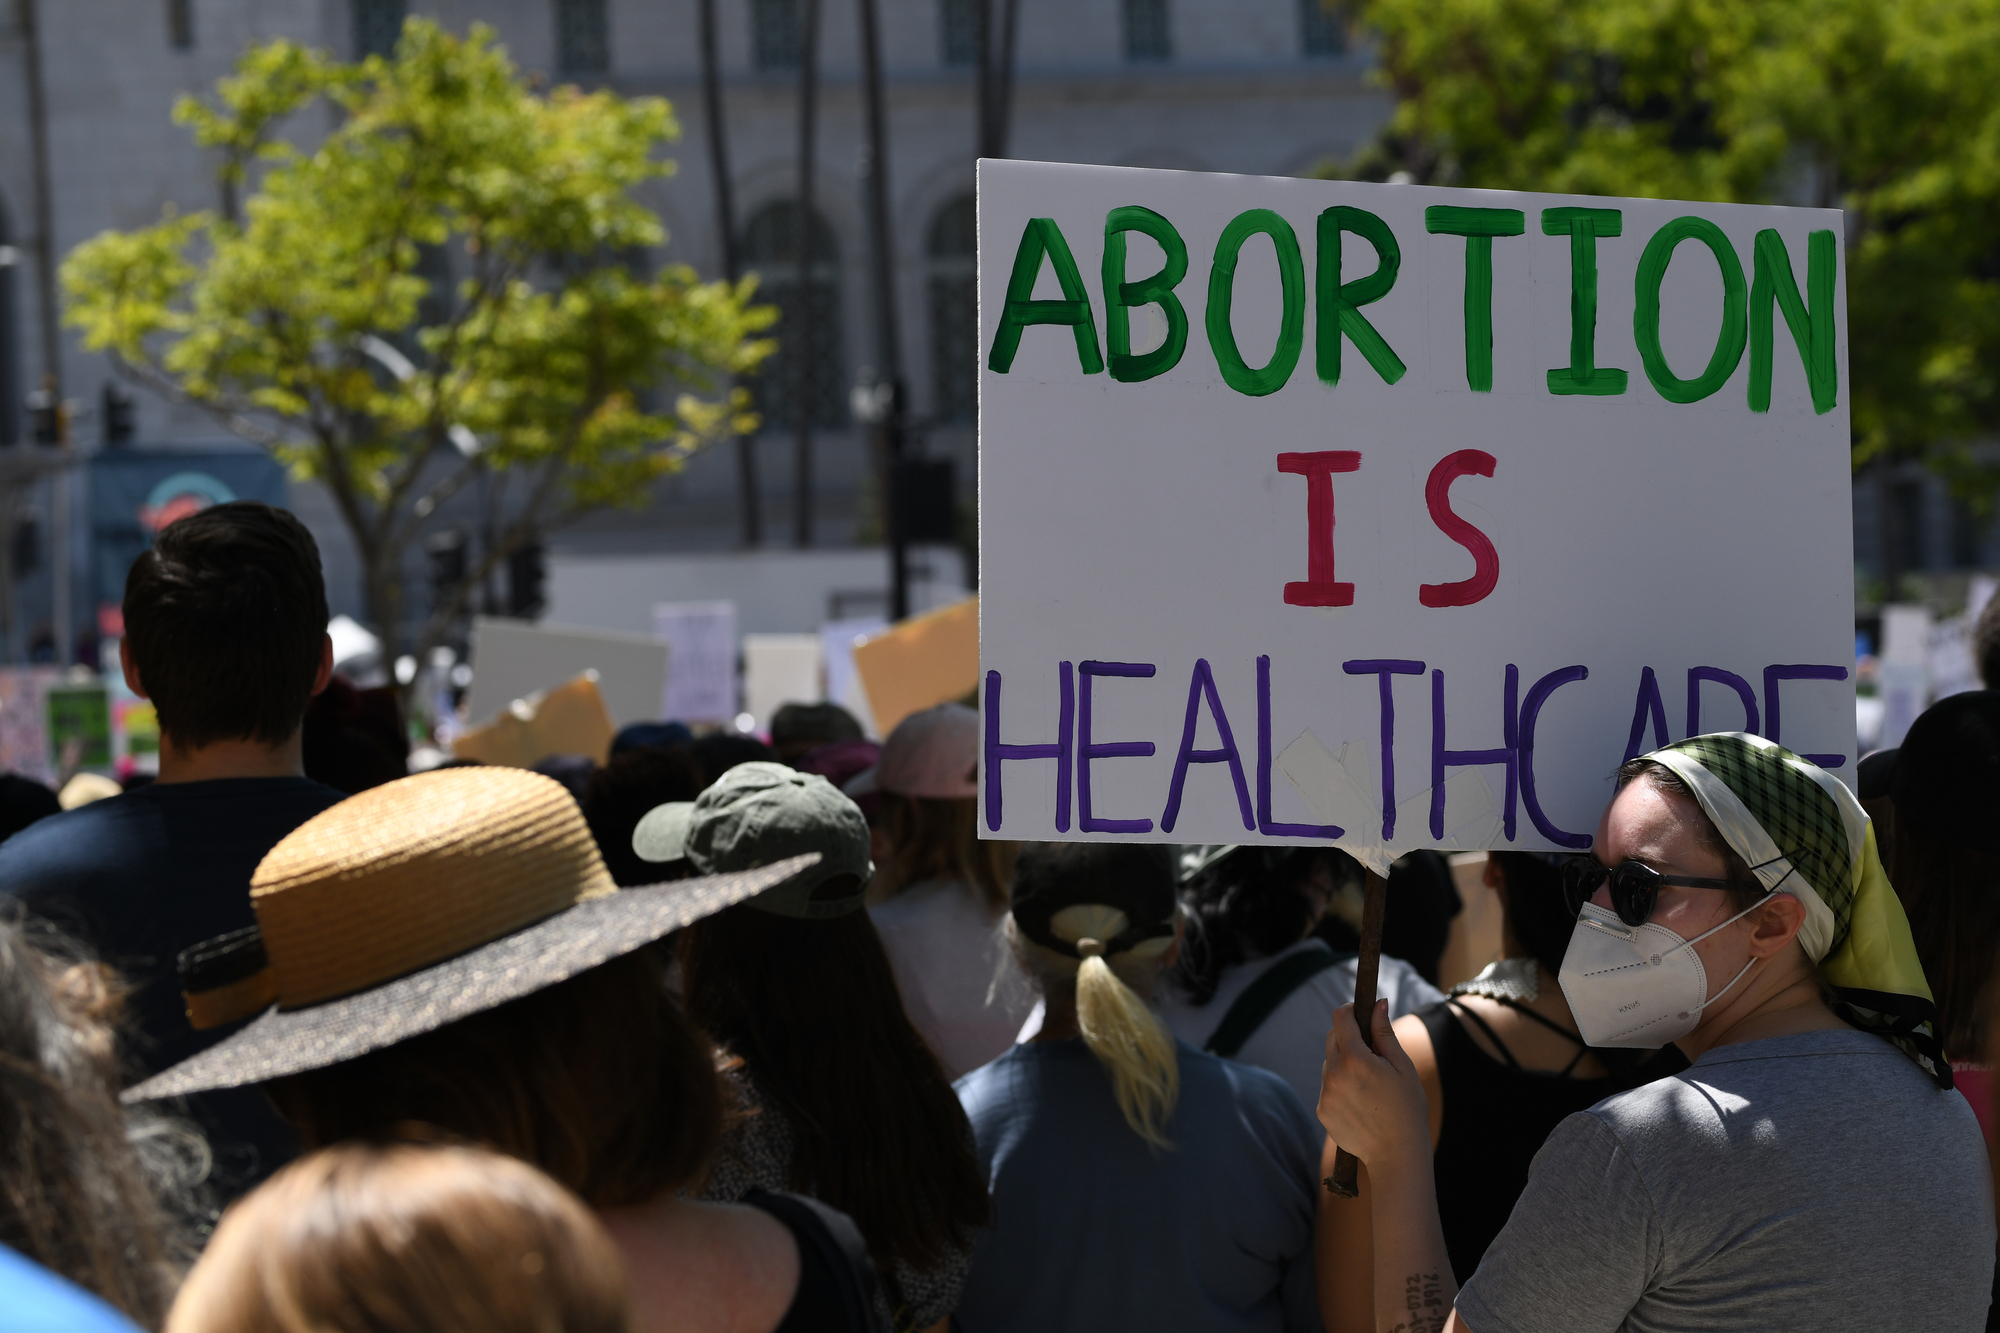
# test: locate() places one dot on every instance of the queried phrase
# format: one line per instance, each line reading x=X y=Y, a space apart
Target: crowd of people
x=727 y=1035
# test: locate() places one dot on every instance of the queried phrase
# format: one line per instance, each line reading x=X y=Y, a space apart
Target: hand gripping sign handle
x=1343 y=1181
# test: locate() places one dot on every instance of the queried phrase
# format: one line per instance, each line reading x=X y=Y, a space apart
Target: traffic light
x=120 y=412
x=922 y=500
x=447 y=556
x=27 y=546
x=45 y=409
x=527 y=573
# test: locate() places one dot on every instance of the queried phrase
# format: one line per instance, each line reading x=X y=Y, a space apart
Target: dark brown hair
x=600 y=1081
x=406 y=1238
x=812 y=1008
x=1252 y=903
x=224 y=618
x=939 y=839
x=621 y=793
x=1986 y=644
x=75 y=1193
x=1952 y=896
x=1745 y=890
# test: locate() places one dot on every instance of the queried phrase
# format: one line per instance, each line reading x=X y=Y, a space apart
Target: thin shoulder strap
x=1543 y=1019
x=1492 y=1036
x=1262 y=997
x=1582 y=1047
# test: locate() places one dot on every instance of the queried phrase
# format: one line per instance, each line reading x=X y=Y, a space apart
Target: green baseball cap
x=759 y=813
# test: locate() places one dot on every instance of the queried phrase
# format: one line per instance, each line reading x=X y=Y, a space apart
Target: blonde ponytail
x=1118 y=1026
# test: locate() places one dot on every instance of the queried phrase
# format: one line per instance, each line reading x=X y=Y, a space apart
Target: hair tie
x=1089 y=948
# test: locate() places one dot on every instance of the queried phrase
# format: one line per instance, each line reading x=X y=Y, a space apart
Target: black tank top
x=1497 y=1115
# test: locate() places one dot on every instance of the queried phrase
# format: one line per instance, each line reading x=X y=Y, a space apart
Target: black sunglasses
x=1635 y=886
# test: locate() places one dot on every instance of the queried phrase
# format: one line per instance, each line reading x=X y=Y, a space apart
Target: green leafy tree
x=1885 y=108
x=310 y=314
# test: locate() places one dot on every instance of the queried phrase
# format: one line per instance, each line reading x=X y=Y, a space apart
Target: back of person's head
x=22 y=802
x=1252 y=902
x=1946 y=856
x=600 y=1080
x=1537 y=913
x=797 y=984
x=1100 y=918
x=1986 y=643
x=620 y=793
x=224 y=618
x=720 y=751
x=927 y=783
x=797 y=728
x=649 y=736
x=1419 y=903
x=354 y=739
x=406 y=1238
x=82 y=1183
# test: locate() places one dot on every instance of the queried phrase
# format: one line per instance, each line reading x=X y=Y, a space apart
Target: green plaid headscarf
x=1802 y=832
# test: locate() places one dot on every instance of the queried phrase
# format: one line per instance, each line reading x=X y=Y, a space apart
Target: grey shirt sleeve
x=1581 y=1247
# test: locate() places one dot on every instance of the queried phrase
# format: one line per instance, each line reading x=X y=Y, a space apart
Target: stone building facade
x=1254 y=86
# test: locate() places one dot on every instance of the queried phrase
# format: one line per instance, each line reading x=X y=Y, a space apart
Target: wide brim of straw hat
x=292 y=1041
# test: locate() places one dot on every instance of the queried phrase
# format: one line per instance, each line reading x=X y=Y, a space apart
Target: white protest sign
x=701 y=661
x=1400 y=516
x=512 y=659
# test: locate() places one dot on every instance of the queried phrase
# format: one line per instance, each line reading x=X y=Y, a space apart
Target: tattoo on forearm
x=1424 y=1304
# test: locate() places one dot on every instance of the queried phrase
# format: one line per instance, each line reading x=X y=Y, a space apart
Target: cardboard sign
x=1393 y=516
x=920 y=662
x=569 y=719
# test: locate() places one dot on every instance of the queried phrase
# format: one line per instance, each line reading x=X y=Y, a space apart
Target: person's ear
x=1776 y=924
x=320 y=677
x=1494 y=877
x=132 y=681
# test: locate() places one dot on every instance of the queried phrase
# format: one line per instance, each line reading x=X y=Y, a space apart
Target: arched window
x=771 y=250
x=954 y=311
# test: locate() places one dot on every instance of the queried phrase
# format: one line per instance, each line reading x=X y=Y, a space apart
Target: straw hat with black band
x=411 y=906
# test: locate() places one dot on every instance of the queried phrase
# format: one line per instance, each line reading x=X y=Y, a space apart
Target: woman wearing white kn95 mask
x=1805 y=1171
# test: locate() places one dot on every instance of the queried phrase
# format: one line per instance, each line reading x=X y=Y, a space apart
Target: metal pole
x=889 y=350
x=1004 y=93
x=45 y=225
x=804 y=353
x=725 y=219
x=45 y=283
x=983 y=132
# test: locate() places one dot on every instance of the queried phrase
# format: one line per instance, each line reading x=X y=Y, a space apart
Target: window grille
x=1321 y=29
x=958 y=26
x=774 y=33
x=953 y=292
x=583 y=38
x=377 y=25
x=1147 y=34
x=771 y=250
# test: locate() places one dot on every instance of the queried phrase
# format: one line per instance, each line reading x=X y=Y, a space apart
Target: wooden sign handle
x=1344 y=1181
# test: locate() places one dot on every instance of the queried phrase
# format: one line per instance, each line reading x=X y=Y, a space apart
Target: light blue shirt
x=1096 y=1229
x=34 y=1300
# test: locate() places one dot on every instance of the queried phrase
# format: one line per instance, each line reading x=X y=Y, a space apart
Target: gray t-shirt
x=1814 y=1181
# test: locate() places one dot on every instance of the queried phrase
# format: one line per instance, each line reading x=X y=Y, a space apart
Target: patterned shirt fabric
x=757 y=1155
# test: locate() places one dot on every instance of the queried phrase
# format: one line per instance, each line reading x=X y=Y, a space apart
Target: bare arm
x=1343 y=1239
x=1374 y=1105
